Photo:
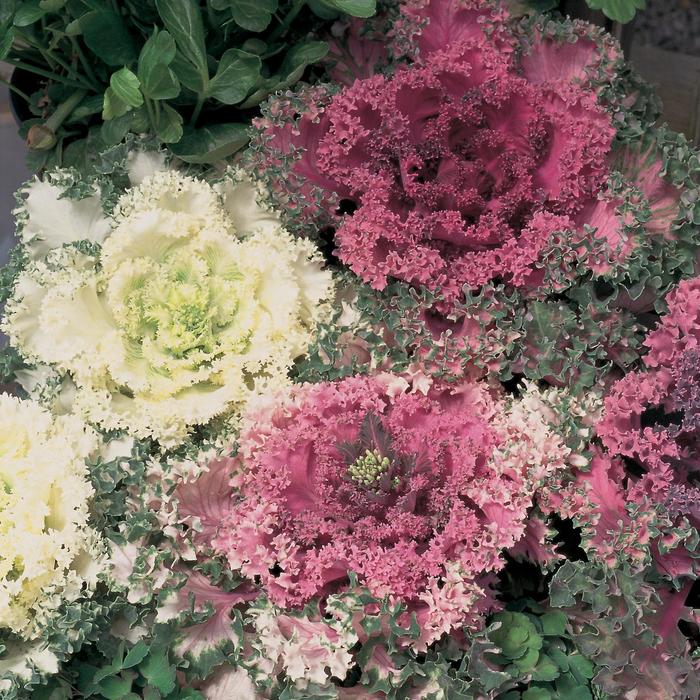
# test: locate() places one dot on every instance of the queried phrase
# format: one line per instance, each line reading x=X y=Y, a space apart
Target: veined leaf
x=210 y=144
x=237 y=74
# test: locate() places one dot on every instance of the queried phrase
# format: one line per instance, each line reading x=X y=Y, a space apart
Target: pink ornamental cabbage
x=651 y=425
x=416 y=494
x=463 y=166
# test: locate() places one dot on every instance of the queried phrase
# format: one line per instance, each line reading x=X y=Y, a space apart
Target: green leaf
x=158 y=671
x=115 y=687
x=169 y=124
x=159 y=48
x=210 y=144
x=136 y=654
x=553 y=624
x=188 y=75
x=356 y=8
x=127 y=87
x=237 y=74
x=7 y=11
x=6 y=39
x=158 y=81
x=122 y=95
x=303 y=55
x=321 y=10
x=52 y=5
x=291 y=70
x=546 y=669
x=528 y=661
x=108 y=38
x=89 y=106
x=253 y=15
x=581 y=667
x=618 y=10
x=112 y=131
x=28 y=13
x=183 y=19
x=112 y=106
x=537 y=694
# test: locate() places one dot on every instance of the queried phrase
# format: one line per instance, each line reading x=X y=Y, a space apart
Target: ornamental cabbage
x=48 y=551
x=418 y=495
x=196 y=299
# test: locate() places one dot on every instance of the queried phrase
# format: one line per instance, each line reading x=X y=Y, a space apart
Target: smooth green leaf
x=150 y=693
x=546 y=669
x=136 y=654
x=108 y=38
x=618 y=10
x=114 y=130
x=237 y=74
x=183 y=19
x=6 y=39
x=158 y=671
x=169 y=125
x=73 y=28
x=115 y=687
x=52 y=5
x=127 y=87
x=158 y=82
x=322 y=10
x=210 y=144
x=188 y=75
x=356 y=8
x=528 y=661
x=253 y=15
x=303 y=55
x=113 y=107
x=158 y=49
x=553 y=623
x=7 y=11
x=293 y=67
x=28 y=13
x=537 y=694
x=581 y=667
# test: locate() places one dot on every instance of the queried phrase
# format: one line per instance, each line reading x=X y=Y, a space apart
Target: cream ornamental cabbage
x=47 y=549
x=197 y=299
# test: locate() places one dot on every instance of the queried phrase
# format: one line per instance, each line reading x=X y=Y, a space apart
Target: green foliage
x=616 y=10
x=165 y=67
x=617 y=617
x=145 y=670
x=527 y=653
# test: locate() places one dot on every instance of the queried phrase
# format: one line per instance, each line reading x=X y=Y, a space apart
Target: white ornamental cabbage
x=196 y=300
x=48 y=551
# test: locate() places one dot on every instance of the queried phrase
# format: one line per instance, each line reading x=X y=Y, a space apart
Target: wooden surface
x=677 y=80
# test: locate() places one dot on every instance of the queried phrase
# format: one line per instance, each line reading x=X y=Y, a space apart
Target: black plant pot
x=28 y=83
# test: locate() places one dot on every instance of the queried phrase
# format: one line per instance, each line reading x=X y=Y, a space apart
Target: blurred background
x=12 y=169
x=663 y=42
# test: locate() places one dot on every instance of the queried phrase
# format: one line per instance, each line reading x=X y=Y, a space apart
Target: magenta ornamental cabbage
x=405 y=490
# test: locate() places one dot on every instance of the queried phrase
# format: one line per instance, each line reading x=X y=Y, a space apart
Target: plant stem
x=291 y=16
x=63 y=111
x=42 y=137
x=97 y=86
x=46 y=74
x=50 y=57
x=197 y=109
x=151 y=113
